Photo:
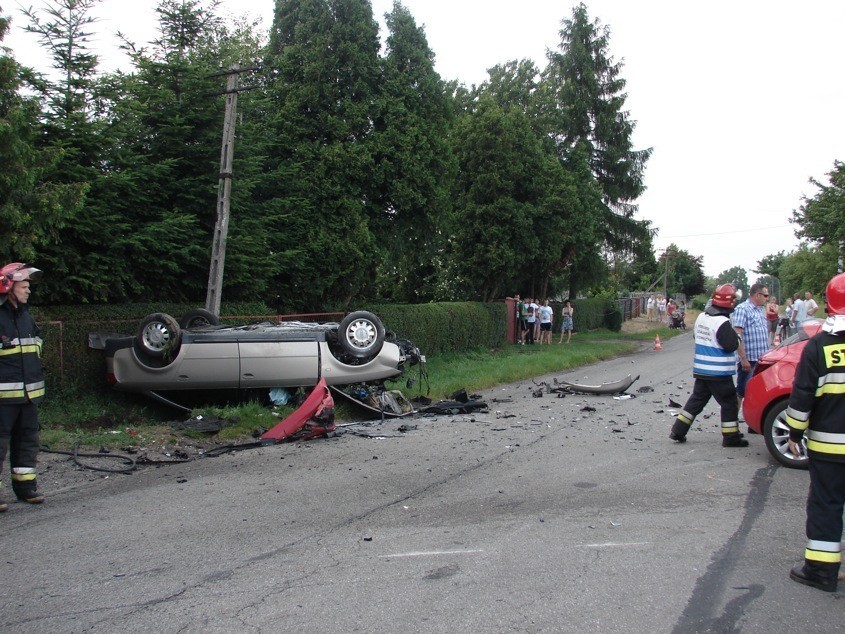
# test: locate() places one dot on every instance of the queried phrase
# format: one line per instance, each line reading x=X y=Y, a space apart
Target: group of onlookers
x=536 y=321
x=659 y=308
x=785 y=320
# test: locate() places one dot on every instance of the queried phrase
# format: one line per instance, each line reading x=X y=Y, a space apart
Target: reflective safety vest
x=817 y=403
x=21 y=374
x=711 y=360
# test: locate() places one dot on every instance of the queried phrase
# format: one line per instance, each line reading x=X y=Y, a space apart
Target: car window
x=801 y=335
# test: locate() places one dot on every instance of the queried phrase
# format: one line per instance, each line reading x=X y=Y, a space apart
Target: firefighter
x=817 y=410
x=21 y=381
x=713 y=368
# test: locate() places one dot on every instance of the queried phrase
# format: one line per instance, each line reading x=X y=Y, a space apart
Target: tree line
x=359 y=172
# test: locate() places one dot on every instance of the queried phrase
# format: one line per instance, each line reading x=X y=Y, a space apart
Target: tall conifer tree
x=323 y=69
x=413 y=161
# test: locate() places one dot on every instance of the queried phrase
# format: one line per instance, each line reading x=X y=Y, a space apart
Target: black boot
x=734 y=440
x=679 y=431
x=823 y=580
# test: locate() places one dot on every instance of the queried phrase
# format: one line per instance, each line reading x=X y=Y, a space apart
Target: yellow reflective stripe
x=23 y=477
x=831 y=388
x=12 y=394
x=730 y=427
x=33 y=348
x=800 y=425
x=37 y=393
x=821 y=556
x=826 y=447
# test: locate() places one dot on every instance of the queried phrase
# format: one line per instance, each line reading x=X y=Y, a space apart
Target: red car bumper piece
x=315 y=417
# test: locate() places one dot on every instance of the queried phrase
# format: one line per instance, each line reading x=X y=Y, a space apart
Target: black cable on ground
x=133 y=464
x=76 y=455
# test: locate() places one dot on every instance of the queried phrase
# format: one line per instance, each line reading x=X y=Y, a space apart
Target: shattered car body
x=164 y=359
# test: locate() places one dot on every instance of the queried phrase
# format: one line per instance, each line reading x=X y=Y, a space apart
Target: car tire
x=159 y=336
x=361 y=334
x=776 y=435
x=199 y=318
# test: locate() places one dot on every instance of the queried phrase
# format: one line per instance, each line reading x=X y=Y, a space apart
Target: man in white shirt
x=546 y=315
x=799 y=313
x=810 y=304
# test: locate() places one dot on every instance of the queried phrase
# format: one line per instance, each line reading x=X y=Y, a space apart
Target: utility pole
x=224 y=188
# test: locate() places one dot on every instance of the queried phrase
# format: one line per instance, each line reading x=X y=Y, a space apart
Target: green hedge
x=595 y=312
x=446 y=326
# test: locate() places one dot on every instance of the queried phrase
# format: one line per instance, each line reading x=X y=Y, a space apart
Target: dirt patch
x=639 y=325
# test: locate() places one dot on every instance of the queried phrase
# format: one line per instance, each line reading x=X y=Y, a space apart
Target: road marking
x=430 y=553
x=616 y=544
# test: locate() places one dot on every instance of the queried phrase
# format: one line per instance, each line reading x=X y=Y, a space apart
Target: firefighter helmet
x=835 y=295
x=16 y=272
x=724 y=296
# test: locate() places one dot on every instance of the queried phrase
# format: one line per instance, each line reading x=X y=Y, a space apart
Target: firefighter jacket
x=21 y=374
x=817 y=403
x=715 y=345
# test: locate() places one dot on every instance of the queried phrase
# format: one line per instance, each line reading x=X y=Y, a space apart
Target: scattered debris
x=454 y=407
x=200 y=423
x=644 y=389
x=614 y=387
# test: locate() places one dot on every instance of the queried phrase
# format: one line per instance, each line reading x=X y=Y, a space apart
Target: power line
x=722 y=233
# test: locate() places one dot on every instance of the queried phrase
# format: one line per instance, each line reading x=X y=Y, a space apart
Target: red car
x=768 y=390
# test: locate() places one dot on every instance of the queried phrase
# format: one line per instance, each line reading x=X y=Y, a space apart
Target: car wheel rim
x=780 y=439
x=361 y=334
x=156 y=337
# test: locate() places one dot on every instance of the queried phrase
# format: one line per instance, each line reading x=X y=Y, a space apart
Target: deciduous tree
x=821 y=218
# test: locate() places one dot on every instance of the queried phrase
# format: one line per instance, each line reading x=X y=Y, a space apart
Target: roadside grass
x=121 y=420
x=483 y=369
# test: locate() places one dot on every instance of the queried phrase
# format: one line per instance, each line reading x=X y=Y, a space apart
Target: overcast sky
x=742 y=101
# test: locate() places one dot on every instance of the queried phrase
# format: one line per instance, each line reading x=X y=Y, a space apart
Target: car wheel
x=776 y=434
x=361 y=334
x=159 y=336
x=199 y=318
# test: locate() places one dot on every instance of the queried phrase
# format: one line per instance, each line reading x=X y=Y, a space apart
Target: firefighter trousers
x=724 y=392
x=825 y=503
x=19 y=437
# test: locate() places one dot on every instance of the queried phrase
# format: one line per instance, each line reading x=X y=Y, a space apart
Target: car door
x=273 y=363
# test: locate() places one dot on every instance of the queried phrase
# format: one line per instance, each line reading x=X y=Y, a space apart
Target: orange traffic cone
x=657 y=344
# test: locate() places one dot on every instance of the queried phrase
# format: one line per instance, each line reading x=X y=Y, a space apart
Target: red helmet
x=724 y=296
x=16 y=272
x=835 y=295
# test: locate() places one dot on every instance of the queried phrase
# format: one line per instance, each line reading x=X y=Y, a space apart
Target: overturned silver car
x=167 y=360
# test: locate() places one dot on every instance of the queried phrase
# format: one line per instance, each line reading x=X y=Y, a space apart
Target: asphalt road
x=573 y=514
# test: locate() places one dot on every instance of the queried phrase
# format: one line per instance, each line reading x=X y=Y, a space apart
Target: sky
x=742 y=102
